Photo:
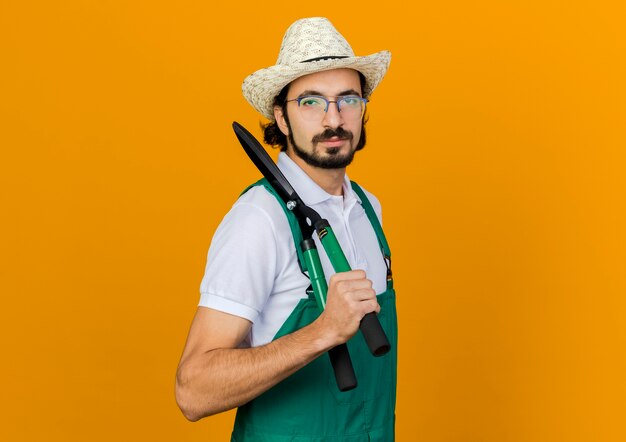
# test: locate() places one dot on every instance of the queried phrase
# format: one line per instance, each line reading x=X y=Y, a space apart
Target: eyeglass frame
x=336 y=101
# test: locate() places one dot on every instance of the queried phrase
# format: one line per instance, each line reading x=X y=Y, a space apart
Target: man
x=258 y=340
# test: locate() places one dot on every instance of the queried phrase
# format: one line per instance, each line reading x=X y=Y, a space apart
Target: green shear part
x=295 y=227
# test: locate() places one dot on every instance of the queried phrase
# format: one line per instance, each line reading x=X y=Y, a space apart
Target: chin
x=332 y=151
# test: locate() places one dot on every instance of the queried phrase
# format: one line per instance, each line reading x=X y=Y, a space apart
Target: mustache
x=329 y=133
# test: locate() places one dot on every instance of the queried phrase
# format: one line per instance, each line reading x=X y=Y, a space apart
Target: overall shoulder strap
x=371 y=215
x=293 y=222
x=382 y=240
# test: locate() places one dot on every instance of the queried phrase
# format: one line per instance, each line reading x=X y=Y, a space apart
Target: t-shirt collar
x=308 y=190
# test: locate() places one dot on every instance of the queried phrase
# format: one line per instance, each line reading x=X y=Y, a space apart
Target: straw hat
x=310 y=45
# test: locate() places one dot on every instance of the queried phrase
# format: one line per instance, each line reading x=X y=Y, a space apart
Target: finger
x=368 y=306
x=372 y=306
x=353 y=285
x=377 y=307
x=358 y=284
x=365 y=294
x=347 y=276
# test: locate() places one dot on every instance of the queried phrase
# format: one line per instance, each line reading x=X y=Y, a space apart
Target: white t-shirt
x=252 y=268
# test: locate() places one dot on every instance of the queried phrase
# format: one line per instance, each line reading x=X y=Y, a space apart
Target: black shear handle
x=342 y=367
x=374 y=335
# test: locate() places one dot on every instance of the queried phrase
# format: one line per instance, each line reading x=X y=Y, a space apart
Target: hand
x=350 y=297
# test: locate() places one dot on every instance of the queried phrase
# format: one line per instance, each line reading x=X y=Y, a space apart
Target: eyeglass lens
x=314 y=107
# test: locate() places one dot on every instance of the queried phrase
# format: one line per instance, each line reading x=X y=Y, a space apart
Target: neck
x=331 y=180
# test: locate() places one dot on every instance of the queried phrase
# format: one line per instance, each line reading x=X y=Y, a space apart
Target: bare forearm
x=225 y=378
x=213 y=376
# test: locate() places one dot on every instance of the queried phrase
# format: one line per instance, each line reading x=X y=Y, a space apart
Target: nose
x=332 y=117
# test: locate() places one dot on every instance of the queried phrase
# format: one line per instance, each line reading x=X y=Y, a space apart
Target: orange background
x=496 y=144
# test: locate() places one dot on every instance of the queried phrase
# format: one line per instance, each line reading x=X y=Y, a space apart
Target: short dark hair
x=272 y=134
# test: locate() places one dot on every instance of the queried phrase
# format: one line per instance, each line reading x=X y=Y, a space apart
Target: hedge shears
x=311 y=222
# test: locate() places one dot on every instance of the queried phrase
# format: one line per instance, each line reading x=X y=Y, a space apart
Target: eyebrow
x=340 y=94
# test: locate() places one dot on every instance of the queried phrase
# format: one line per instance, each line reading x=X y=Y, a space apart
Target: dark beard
x=334 y=160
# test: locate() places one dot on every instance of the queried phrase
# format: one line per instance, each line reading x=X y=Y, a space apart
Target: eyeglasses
x=314 y=107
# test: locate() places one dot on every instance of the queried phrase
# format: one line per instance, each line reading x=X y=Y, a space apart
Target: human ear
x=280 y=120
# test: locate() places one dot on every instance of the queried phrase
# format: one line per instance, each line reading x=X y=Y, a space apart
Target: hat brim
x=261 y=87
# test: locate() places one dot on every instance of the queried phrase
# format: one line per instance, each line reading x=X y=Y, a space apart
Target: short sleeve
x=241 y=264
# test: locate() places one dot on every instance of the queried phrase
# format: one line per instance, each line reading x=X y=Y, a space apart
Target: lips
x=333 y=142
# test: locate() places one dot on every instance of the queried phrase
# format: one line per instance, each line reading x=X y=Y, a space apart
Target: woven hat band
x=330 y=57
